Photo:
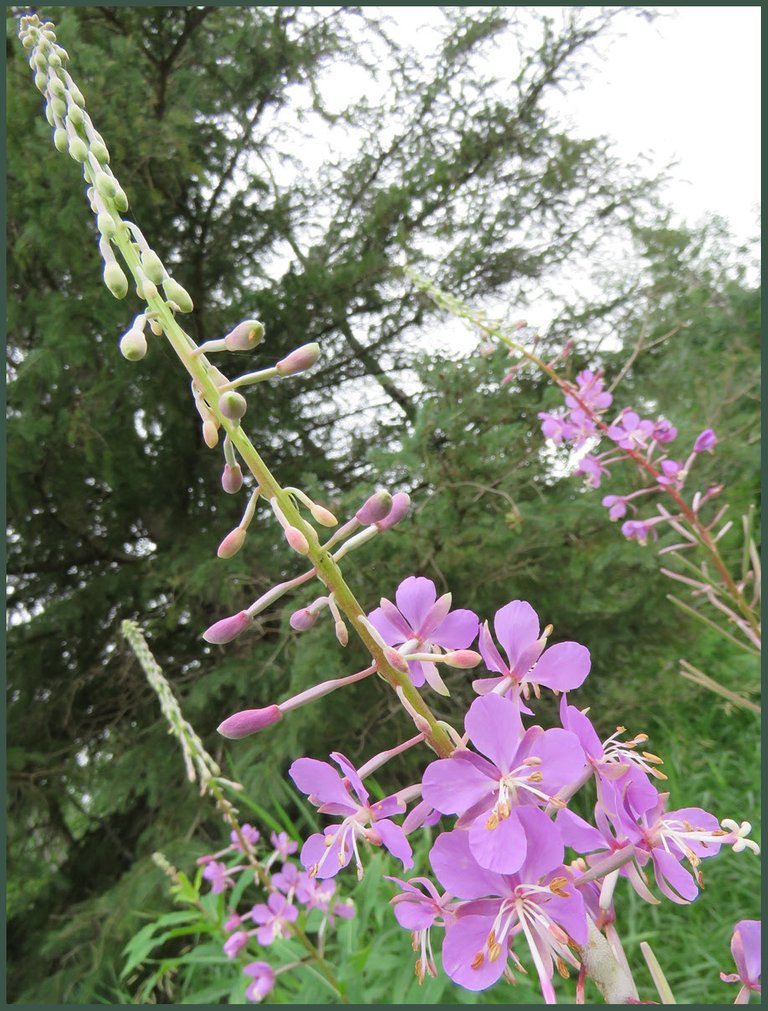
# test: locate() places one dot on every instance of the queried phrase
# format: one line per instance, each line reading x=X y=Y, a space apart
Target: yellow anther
x=414 y=941
x=503 y=809
x=494 y=952
x=557 y=887
x=492 y=822
x=535 y=777
x=650 y=757
x=328 y=841
x=621 y=730
x=562 y=968
x=477 y=961
x=420 y=972
x=657 y=774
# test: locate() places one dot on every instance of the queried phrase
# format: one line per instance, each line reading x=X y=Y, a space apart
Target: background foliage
x=114 y=505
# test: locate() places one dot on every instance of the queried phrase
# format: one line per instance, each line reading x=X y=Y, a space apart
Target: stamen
x=477 y=961
x=562 y=968
x=557 y=887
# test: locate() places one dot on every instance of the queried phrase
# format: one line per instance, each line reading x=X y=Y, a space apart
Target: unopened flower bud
x=152 y=266
x=245 y=336
x=297 y=540
x=106 y=224
x=100 y=152
x=58 y=107
x=147 y=289
x=156 y=328
x=210 y=433
x=74 y=92
x=249 y=721
x=60 y=139
x=375 y=508
x=401 y=503
x=105 y=185
x=299 y=360
x=706 y=442
x=303 y=619
x=323 y=516
x=232 y=405
x=227 y=629
x=115 y=280
x=39 y=60
x=232 y=478
x=121 y=200
x=396 y=660
x=174 y=291
x=75 y=115
x=232 y=543
x=41 y=81
x=78 y=149
x=342 y=633
x=464 y=659
x=133 y=345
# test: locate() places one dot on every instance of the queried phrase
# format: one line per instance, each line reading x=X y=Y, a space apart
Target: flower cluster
x=290 y=895
x=502 y=871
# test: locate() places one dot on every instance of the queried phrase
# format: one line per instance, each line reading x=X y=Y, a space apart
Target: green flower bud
x=60 y=139
x=54 y=60
x=75 y=94
x=56 y=88
x=133 y=345
x=105 y=185
x=232 y=405
x=147 y=289
x=121 y=200
x=78 y=149
x=58 y=108
x=99 y=152
x=115 y=280
x=106 y=224
x=41 y=81
x=27 y=42
x=75 y=113
x=152 y=266
x=40 y=61
x=174 y=291
x=156 y=328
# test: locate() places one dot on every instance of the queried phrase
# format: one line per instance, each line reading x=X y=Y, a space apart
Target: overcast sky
x=683 y=88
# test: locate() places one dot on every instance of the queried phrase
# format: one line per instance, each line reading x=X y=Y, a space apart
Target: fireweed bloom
x=219 y=875
x=561 y=667
x=273 y=918
x=263 y=978
x=284 y=846
x=324 y=855
x=745 y=948
x=521 y=768
x=593 y=468
x=538 y=901
x=630 y=431
x=418 y=908
x=420 y=622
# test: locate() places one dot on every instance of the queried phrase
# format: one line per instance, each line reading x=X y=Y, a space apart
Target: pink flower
x=521 y=768
x=418 y=908
x=324 y=855
x=706 y=442
x=235 y=944
x=284 y=846
x=539 y=902
x=590 y=392
x=219 y=875
x=673 y=474
x=593 y=469
x=630 y=432
x=616 y=506
x=664 y=431
x=562 y=667
x=745 y=948
x=274 y=918
x=263 y=980
x=421 y=621
x=639 y=530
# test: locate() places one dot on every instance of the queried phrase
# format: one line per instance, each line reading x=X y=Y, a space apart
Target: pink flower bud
x=232 y=479
x=210 y=433
x=232 y=543
x=401 y=503
x=375 y=508
x=464 y=659
x=706 y=442
x=341 y=633
x=297 y=540
x=232 y=405
x=323 y=516
x=227 y=629
x=396 y=660
x=235 y=944
x=249 y=721
x=302 y=619
x=245 y=336
x=299 y=360
x=232 y=923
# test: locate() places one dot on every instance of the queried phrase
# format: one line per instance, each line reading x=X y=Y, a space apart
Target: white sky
x=683 y=88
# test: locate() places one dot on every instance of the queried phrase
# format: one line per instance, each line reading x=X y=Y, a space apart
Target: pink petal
x=457 y=631
x=671 y=875
x=391 y=635
x=516 y=626
x=545 y=849
x=745 y=947
x=452 y=785
x=562 y=667
x=414 y=597
x=489 y=653
x=501 y=849
x=396 y=620
x=393 y=838
x=463 y=941
x=458 y=871
x=321 y=780
x=350 y=772
x=495 y=728
x=434 y=617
